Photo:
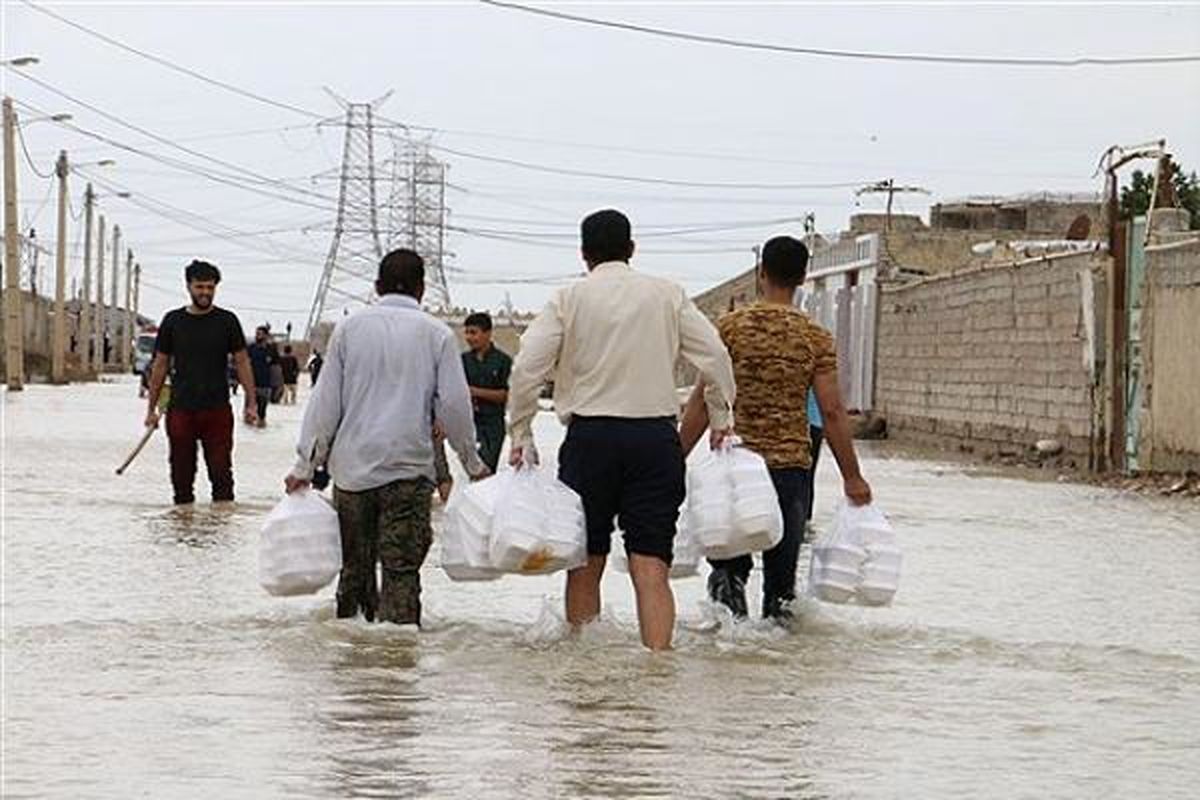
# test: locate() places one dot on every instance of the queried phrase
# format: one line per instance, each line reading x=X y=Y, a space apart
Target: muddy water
x=1045 y=644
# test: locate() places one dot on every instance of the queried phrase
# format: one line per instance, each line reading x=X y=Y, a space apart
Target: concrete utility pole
x=85 y=305
x=137 y=291
x=14 y=345
x=116 y=276
x=58 y=358
x=101 y=317
x=127 y=317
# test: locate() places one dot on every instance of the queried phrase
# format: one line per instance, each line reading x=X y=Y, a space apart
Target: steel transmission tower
x=417 y=218
x=356 y=248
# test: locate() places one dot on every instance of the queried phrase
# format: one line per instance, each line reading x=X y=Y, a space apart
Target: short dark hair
x=606 y=236
x=785 y=261
x=480 y=319
x=401 y=271
x=201 y=271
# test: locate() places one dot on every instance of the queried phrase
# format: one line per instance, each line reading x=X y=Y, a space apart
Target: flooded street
x=1045 y=643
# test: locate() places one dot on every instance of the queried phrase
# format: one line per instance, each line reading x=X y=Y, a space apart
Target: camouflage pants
x=389 y=525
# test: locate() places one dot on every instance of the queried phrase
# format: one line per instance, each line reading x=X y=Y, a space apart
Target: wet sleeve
x=165 y=341
x=824 y=351
x=322 y=415
x=452 y=405
x=237 y=339
x=534 y=365
x=701 y=346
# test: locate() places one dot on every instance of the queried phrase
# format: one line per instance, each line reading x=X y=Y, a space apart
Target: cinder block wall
x=1171 y=349
x=993 y=358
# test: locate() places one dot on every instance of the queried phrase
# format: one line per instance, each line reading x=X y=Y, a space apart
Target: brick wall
x=994 y=358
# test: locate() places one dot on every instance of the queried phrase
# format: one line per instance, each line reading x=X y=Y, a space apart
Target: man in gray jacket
x=389 y=369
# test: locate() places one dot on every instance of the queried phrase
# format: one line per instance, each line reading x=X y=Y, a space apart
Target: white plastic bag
x=467 y=534
x=732 y=505
x=300 y=549
x=881 y=567
x=858 y=560
x=687 y=551
x=538 y=527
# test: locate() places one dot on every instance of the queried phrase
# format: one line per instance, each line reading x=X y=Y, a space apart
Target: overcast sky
x=592 y=99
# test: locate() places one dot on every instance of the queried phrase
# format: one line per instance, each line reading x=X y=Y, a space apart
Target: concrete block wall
x=992 y=359
x=1171 y=348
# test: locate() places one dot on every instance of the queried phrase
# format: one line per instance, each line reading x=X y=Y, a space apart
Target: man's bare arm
x=489 y=395
x=837 y=434
x=158 y=377
x=695 y=419
x=245 y=373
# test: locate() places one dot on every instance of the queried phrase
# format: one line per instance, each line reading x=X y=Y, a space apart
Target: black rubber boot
x=729 y=590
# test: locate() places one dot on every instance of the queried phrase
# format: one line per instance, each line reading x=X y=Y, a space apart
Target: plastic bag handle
x=729 y=443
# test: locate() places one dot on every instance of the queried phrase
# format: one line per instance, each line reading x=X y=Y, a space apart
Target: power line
x=262 y=179
x=191 y=219
x=639 y=179
x=191 y=73
x=29 y=158
x=226 y=179
x=994 y=61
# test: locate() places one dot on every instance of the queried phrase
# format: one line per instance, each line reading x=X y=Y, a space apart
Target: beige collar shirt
x=610 y=343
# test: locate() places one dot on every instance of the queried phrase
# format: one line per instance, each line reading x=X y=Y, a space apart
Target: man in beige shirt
x=610 y=344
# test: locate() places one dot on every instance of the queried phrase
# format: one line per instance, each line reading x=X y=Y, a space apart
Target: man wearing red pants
x=193 y=344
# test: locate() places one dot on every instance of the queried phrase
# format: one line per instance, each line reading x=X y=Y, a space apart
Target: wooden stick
x=145 y=438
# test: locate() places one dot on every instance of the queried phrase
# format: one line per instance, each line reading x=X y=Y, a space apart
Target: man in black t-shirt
x=194 y=344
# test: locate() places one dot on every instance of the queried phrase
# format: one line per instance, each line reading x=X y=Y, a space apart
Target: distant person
x=262 y=359
x=232 y=373
x=391 y=368
x=314 y=367
x=816 y=435
x=290 y=367
x=194 y=344
x=611 y=342
x=778 y=353
x=277 y=382
x=488 y=368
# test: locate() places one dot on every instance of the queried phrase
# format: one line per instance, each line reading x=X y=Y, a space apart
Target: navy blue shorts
x=630 y=470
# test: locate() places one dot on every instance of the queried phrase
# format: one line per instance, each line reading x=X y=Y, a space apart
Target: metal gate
x=849 y=313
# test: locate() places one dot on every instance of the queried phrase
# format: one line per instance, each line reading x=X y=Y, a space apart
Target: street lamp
x=21 y=61
x=49 y=118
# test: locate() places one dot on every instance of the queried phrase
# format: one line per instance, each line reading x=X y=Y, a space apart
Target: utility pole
x=85 y=306
x=890 y=188
x=14 y=345
x=137 y=291
x=58 y=358
x=101 y=317
x=1114 y=455
x=127 y=317
x=116 y=275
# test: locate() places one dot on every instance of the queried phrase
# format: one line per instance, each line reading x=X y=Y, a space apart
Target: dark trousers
x=388 y=525
x=212 y=428
x=489 y=432
x=779 y=563
x=815 y=436
x=262 y=397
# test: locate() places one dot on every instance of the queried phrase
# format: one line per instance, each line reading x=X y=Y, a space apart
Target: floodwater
x=1045 y=643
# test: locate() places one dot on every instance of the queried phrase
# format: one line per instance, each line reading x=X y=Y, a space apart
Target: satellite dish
x=1080 y=228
